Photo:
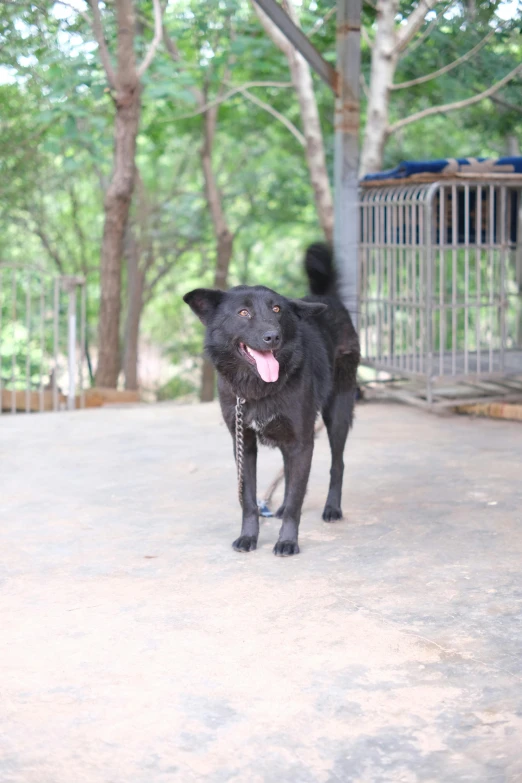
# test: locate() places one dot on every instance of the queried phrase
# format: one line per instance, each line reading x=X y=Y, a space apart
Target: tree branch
x=366 y=37
x=270 y=109
x=158 y=32
x=247 y=85
x=83 y=14
x=105 y=57
x=446 y=68
x=46 y=242
x=320 y=22
x=506 y=105
x=456 y=104
x=429 y=28
x=75 y=214
x=414 y=22
x=362 y=82
x=173 y=50
x=168 y=266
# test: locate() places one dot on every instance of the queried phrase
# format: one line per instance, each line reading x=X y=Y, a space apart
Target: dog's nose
x=272 y=338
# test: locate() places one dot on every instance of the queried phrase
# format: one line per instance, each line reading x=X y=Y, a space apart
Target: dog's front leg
x=247 y=541
x=298 y=460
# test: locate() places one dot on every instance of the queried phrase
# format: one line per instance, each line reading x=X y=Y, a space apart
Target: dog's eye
x=244 y=313
x=276 y=309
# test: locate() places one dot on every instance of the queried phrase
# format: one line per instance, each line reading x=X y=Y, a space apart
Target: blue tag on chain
x=264 y=509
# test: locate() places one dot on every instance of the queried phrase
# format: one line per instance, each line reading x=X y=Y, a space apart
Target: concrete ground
x=137 y=647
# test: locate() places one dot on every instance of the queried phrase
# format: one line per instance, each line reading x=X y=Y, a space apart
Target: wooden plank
x=112 y=396
x=426 y=178
x=94 y=398
x=20 y=400
x=493 y=410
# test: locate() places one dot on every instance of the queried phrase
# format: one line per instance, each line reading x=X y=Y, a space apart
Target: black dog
x=288 y=359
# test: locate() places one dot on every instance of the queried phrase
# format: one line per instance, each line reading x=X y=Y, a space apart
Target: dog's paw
x=280 y=511
x=245 y=544
x=331 y=513
x=286 y=548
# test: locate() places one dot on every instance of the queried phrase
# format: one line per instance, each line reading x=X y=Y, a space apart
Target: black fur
x=318 y=355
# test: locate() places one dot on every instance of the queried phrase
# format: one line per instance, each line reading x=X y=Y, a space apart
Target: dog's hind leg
x=338 y=417
x=281 y=510
x=247 y=541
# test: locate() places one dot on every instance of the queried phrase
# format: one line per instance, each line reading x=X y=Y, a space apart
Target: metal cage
x=42 y=340
x=440 y=287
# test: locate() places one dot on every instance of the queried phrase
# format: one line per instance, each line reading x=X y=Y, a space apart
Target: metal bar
x=71 y=347
x=82 y=343
x=346 y=156
x=409 y=306
x=401 y=260
x=28 y=354
x=454 y=235
x=298 y=39
x=491 y=265
x=1 y=312
x=459 y=378
x=442 y=323
x=378 y=297
x=55 y=341
x=393 y=278
x=428 y=294
x=466 y=275
x=13 y=357
x=42 y=340
x=409 y=208
x=422 y=294
x=478 y=272
x=503 y=215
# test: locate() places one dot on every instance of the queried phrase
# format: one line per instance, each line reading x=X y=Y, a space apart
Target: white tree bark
x=390 y=41
x=384 y=64
x=314 y=144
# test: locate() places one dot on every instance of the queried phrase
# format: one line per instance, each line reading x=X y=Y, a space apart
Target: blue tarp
x=448 y=166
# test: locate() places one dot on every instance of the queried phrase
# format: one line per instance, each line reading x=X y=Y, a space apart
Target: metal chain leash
x=239 y=447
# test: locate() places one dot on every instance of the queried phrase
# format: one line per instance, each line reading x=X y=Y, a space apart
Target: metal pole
x=14 y=355
x=82 y=343
x=56 y=336
x=71 y=348
x=1 y=309
x=28 y=355
x=346 y=161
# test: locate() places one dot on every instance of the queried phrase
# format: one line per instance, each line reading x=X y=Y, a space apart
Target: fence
x=441 y=285
x=42 y=340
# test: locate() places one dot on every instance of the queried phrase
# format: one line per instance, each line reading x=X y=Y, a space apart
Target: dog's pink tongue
x=266 y=363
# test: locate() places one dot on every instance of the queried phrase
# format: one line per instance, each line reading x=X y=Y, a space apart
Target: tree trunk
x=208 y=382
x=117 y=204
x=512 y=145
x=135 y=284
x=224 y=254
x=304 y=87
x=222 y=233
x=119 y=194
x=315 y=155
x=384 y=63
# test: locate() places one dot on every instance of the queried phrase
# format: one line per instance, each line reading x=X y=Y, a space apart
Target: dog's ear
x=204 y=302
x=308 y=309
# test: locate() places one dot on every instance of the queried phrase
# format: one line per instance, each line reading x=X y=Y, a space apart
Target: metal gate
x=42 y=340
x=440 y=288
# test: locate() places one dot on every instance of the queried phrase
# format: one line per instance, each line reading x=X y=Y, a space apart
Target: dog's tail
x=319 y=265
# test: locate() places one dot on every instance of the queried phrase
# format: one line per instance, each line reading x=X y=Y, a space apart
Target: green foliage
x=176 y=387
x=56 y=124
